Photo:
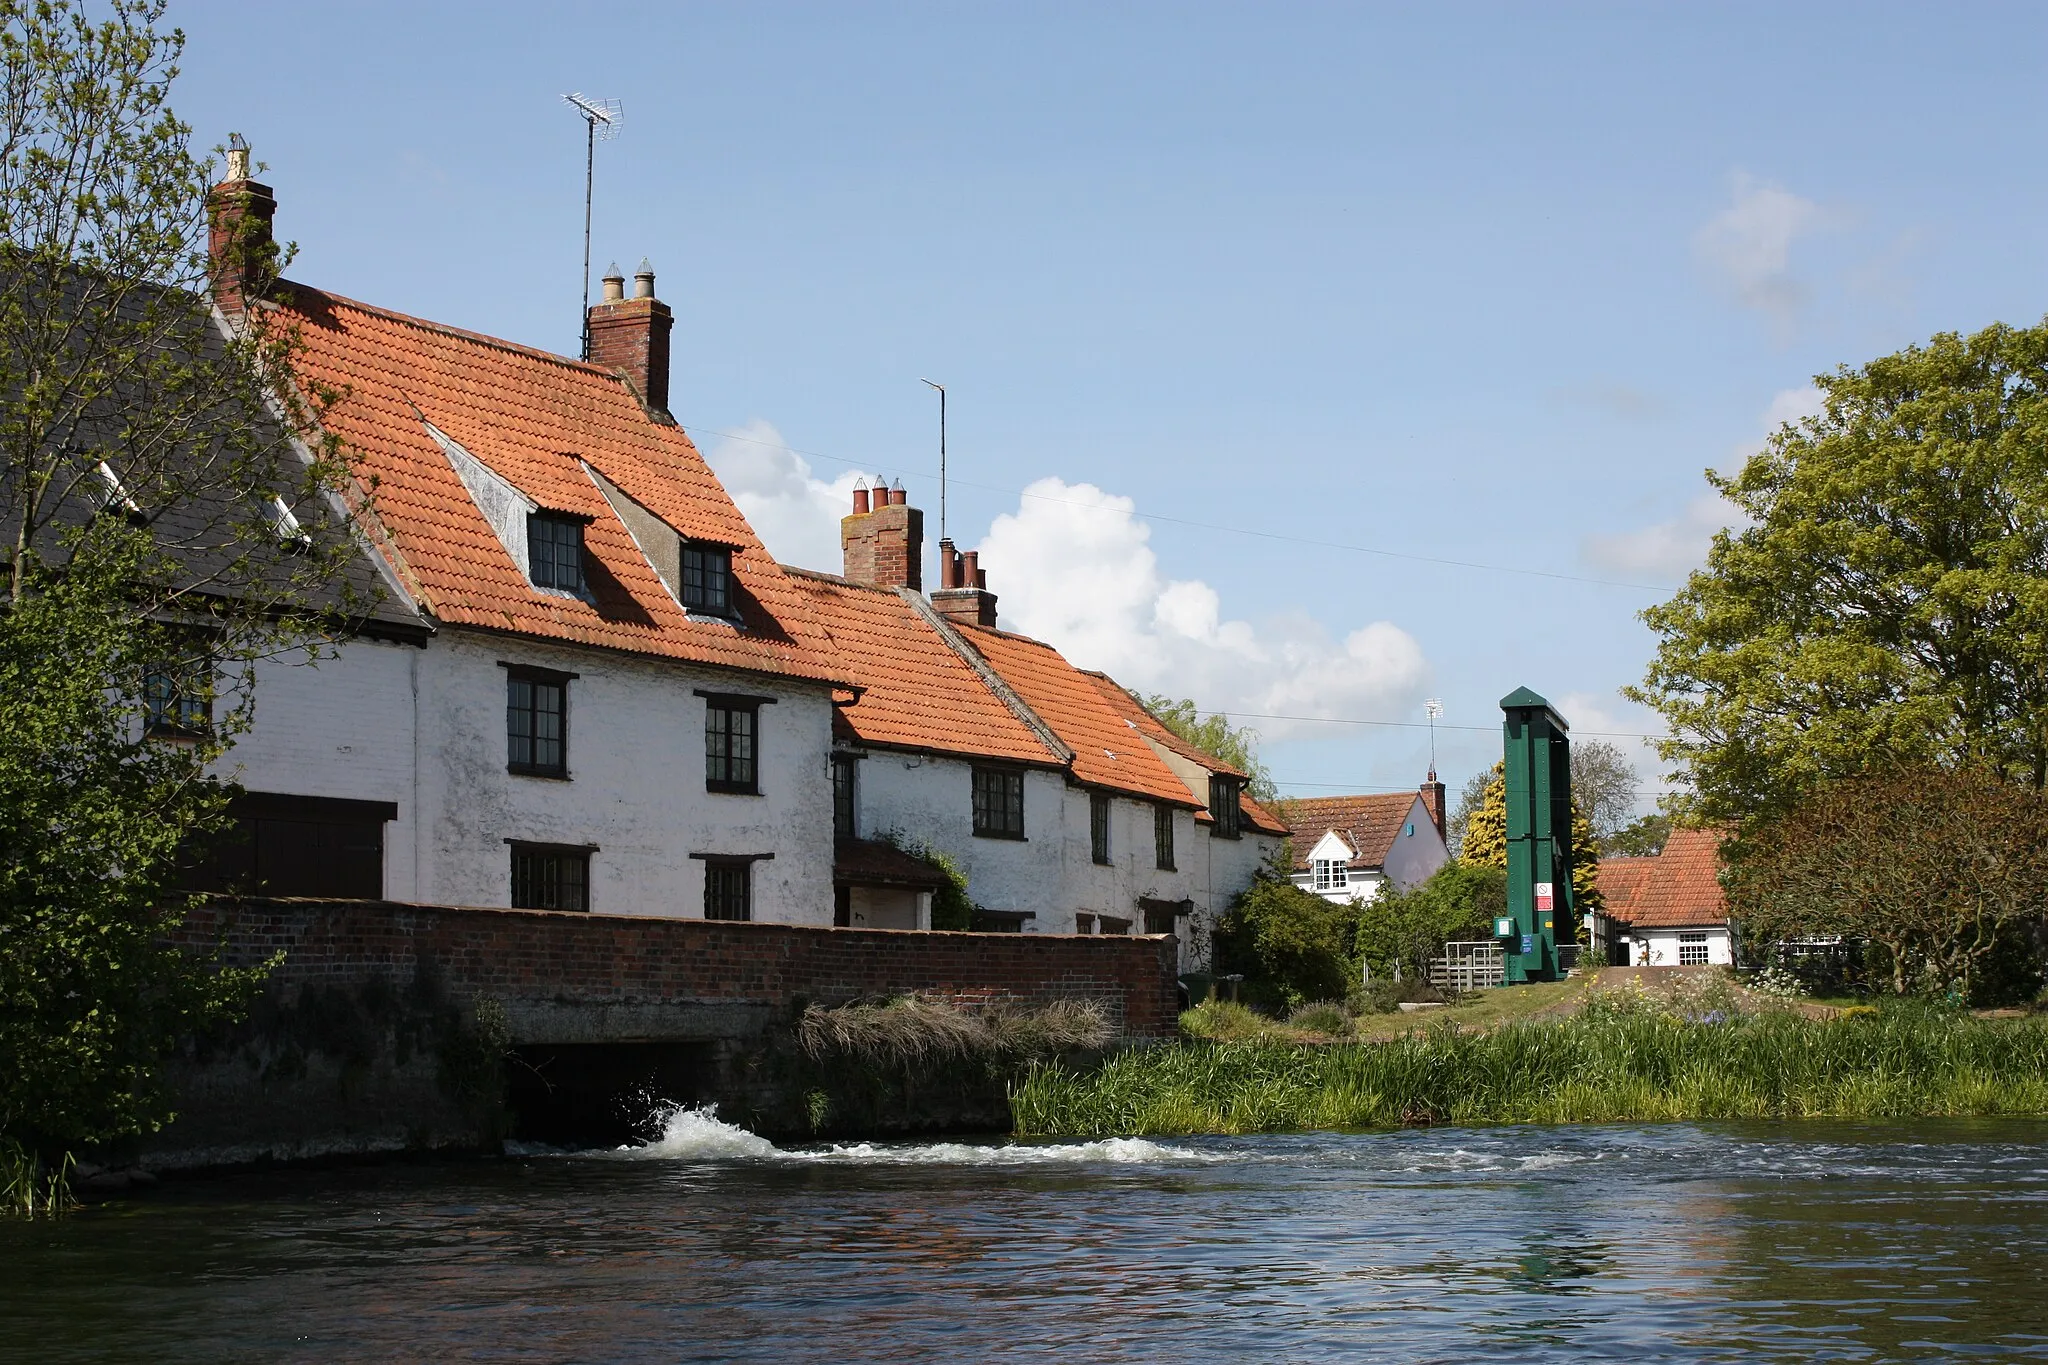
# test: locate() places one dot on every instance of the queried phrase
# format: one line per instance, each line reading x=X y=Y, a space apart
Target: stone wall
x=381 y=1028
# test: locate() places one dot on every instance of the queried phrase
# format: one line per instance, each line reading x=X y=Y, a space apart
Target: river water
x=1916 y=1241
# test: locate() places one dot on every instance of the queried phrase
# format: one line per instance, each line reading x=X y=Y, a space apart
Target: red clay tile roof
x=530 y=416
x=1107 y=752
x=1370 y=824
x=916 y=692
x=1259 y=818
x=1621 y=881
x=1684 y=889
x=1126 y=706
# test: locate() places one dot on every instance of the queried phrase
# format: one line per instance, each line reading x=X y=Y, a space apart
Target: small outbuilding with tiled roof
x=1670 y=910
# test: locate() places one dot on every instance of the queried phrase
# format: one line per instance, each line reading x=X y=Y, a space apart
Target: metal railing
x=1469 y=967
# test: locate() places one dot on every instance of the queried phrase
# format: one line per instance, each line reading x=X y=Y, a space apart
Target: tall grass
x=914 y=1030
x=29 y=1187
x=1597 y=1067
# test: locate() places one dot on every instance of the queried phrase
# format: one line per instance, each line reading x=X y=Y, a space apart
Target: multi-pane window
x=1332 y=874
x=1223 y=807
x=999 y=803
x=728 y=889
x=845 y=777
x=177 y=698
x=1162 y=838
x=731 y=754
x=707 y=579
x=1098 y=825
x=537 y=722
x=1692 y=950
x=1111 y=924
x=554 y=551
x=545 y=877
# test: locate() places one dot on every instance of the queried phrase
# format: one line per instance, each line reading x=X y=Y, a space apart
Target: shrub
x=1409 y=927
x=1290 y=946
x=1326 y=1017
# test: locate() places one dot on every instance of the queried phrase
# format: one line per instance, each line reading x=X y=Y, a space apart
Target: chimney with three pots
x=883 y=540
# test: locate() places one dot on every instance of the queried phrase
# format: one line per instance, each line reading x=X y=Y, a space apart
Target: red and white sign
x=1543 y=898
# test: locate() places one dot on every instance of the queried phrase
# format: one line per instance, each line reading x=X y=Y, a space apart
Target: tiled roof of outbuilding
x=915 y=691
x=1369 y=824
x=1107 y=752
x=1621 y=881
x=1682 y=890
x=530 y=417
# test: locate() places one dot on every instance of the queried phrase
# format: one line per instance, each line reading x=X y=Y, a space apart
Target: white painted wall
x=1659 y=947
x=636 y=764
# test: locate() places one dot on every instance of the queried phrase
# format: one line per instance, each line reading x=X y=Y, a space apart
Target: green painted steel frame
x=1537 y=751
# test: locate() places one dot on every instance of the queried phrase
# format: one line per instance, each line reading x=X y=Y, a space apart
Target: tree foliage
x=1214 y=734
x=1407 y=928
x=1937 y=868
x=1885 y=603
x=1603 y=784
x=1641 y=838
x=170 y=516
x=1291 y=945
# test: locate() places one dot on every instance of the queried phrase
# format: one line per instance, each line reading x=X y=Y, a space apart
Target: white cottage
x=1668 y=911
x=1347 y=847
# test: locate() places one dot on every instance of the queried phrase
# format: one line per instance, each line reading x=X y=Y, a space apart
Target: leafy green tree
x=1214 y=734
x=1290 y=945
x=170 y=516
x=1885 y=602
x=1458 y=903
x=1603 y=784
x=1940 y=870
x=1641 y=838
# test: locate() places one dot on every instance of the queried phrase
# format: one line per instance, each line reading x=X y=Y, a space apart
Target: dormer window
x=290 y=533
x=1223 y=807
x=1331 y=874
x=707 y=579
x=117 y=501
x=554 y=551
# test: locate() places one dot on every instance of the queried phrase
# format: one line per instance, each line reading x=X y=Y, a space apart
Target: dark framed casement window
x=177 y=698
x=845 y=792
x=732 y=742
x=550 y=877
x=999 y=803
x=1162 y=838
x=536 y=721
x=1223 y=807
x=554 y=551
x=707 y=579
x=1098 y=826
x=728 y=889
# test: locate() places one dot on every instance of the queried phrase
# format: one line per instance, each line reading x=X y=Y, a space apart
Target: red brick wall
x=633 y=335
x=570 y=958
x=884 y=547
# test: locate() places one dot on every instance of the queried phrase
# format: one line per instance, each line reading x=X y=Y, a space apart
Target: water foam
x=698 y=1134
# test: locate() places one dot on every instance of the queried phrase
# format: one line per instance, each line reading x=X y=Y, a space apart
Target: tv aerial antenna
x=1433 y=709
x=942 y=452
x=601 y=120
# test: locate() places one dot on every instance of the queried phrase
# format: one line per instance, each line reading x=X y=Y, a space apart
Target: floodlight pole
x=942 y=455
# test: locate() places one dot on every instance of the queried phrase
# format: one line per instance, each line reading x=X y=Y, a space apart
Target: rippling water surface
x=1711 y=1242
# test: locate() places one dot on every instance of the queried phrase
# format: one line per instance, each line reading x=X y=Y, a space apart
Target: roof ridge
x=838 y=580
x=986 y=671
x=461 y=333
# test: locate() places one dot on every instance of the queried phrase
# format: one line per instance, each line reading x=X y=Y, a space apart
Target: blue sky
x=1486 y=284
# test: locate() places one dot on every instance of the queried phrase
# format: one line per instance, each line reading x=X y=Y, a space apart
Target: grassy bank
x=1600 y=1066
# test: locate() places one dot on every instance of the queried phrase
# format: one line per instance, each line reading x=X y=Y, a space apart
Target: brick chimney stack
x=632 y=334
x=1433 y=802
x=239 y=242
x=963 y=593
x=883 y=539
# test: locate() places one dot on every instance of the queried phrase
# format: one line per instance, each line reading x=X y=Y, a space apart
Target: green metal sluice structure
x=1538 y=759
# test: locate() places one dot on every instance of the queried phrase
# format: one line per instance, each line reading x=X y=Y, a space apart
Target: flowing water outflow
x=1724 y=1242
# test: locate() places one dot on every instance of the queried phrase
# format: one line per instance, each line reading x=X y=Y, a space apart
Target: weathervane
x=597 y=114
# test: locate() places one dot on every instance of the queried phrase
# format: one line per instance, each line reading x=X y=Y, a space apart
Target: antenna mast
x=596 y=114
x=942 y=454
x=1432 y=708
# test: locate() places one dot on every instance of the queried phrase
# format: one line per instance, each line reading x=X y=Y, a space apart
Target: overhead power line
x=1410 y=724
x=1202 y=525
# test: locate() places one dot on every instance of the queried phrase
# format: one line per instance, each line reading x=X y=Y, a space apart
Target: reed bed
x=917 y=1030
x=1598 y=1067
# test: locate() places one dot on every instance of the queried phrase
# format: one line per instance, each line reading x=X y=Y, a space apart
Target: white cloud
x=1616 y=720
x=1749 y=244
x=795 y=513
x=1669 y=550
x=1073 y=566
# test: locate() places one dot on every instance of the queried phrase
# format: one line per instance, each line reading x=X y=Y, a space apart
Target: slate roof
x=531 y=417
x=916 y=693
x=1682 y=888
x=1369 y=824
x=1107 y=752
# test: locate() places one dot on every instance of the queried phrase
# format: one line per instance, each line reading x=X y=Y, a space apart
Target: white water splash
x=698 y=1134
